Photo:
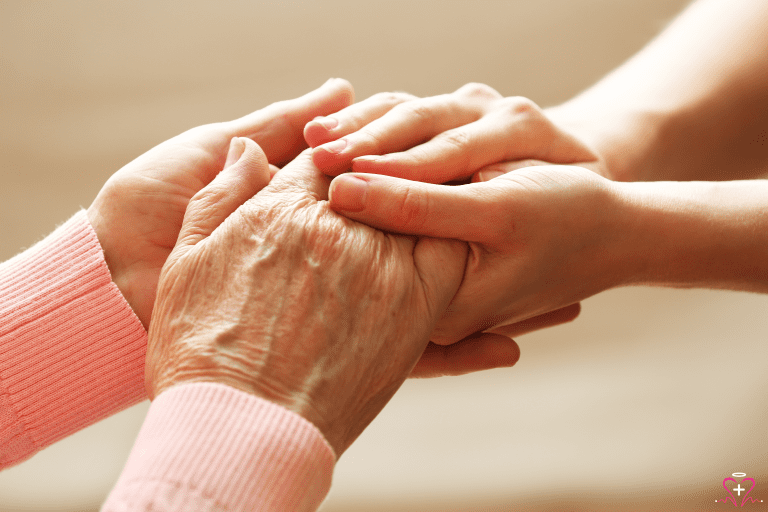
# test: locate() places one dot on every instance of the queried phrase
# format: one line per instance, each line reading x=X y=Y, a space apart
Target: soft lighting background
x=646 y=402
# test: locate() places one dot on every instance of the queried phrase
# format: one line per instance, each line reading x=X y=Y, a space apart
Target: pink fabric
x=71 y=349
x=72 y=352
x=209 y=447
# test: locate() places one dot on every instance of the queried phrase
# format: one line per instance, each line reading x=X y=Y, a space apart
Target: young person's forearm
x=695 y=234
x=692 y=105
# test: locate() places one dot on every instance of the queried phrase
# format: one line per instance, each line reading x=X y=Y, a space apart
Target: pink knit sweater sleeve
x=208 y=447
x=71 y=349
x=72 y=352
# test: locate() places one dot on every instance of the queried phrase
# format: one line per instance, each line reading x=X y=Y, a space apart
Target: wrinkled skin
x=277 y=295
x=138 y=212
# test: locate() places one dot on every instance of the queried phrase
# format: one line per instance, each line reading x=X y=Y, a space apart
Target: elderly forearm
x=691 y=105
x=696 y=234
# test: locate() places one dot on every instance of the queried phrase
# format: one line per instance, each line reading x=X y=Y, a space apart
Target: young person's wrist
x=694 y=234
x=625 y=140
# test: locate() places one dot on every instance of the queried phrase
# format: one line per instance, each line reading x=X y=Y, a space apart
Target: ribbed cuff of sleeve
x=206 y=447
x=71 y=349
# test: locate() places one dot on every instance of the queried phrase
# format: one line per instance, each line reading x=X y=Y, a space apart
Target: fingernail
x=489 y=175
x=335 y=147
x=348 y=193
x=329 y=123
x=236 y=150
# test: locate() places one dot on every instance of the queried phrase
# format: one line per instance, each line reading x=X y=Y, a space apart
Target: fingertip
x=328 y=161
x=550 y=319
x=253 y=162
x=348 y=193
x=315 y=134
x=475 y=353
x=253 y=152
x=572 y=312
x=484 y=351
x=343 y=91
x=319 y=130
x=236 y=150
x=344 y=85
x=510 y=348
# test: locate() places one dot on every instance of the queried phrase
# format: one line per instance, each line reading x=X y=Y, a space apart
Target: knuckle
x=392 y=98
x=459 y=139
x=416 y=109
x=478 y=90
x=519 y=105
x=372 y=137
x=413 y=207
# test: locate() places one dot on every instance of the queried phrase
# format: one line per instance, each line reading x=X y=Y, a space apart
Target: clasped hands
x=322 y=294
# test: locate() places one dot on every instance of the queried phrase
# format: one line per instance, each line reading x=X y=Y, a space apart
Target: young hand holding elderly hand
x=541 y=238
x=448 y=138
x=139 y=211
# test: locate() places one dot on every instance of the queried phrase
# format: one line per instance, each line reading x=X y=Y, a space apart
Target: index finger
x=326 y=129
x=279 y=128
x=406 y=125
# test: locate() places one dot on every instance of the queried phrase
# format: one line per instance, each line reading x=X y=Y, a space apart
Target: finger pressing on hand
x=462 y=212
x=481 y=351
x=551 y=319
x=404 y=126
x=245 y=173
x=325 y=129
x=279 y=128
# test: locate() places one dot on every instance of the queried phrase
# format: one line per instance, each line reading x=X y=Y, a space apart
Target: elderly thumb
x=440 y=264
x=245 y=173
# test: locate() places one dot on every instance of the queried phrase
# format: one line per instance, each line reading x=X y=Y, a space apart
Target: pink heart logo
x=738 y=488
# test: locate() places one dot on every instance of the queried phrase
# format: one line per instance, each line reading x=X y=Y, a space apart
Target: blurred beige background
x=646 y=402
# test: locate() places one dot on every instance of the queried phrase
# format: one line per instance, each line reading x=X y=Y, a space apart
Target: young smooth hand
x=275 y=294
x=541 y=238
x=138 y=213
x=443 y=138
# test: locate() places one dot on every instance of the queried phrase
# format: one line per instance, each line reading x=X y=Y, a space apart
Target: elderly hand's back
x=277 y=295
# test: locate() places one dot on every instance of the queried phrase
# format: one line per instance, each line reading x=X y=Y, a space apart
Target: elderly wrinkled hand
x=273 y=293
x=138 y=212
